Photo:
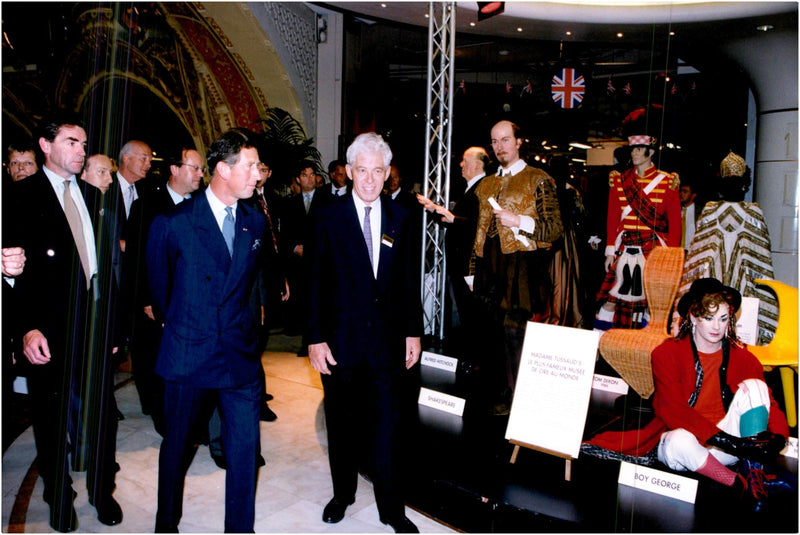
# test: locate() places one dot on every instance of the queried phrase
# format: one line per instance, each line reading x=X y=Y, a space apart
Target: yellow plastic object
x=782 y=351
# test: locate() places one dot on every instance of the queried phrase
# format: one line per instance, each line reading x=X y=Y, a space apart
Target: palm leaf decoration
x=285 y=145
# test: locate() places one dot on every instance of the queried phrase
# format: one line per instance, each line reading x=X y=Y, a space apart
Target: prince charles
x=202 y=260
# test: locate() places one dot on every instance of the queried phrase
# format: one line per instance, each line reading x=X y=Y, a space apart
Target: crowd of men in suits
x=100 y=262
x=188 y=278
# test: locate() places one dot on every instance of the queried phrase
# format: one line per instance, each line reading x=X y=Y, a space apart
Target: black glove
x=762 y=447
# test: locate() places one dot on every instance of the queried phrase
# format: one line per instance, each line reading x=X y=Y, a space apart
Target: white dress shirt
x=128 y=195
x=218 y=207
x=177 y=198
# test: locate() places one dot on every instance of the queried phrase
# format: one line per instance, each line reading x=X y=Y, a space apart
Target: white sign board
x=553 y=388
x=441 y=401
x=747 y=324
x=664 y=483
x=434 y=360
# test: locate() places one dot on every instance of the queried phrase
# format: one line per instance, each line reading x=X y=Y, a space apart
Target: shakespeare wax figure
x=712 y=406
x=644 y=211
x=731 y=243
x=513 y=248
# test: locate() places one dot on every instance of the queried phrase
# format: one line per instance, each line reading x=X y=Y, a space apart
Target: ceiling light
x=765 y=27
x=383 y=5
x=672 y=33
x=519 y=29
x=619 y=34
x=503 y=52
x=568 y=32
x=472 y=24
x=577 y=145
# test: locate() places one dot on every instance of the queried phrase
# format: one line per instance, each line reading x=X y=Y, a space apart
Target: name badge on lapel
x=387 y=241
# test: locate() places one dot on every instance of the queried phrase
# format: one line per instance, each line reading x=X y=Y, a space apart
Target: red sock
x=717 y=471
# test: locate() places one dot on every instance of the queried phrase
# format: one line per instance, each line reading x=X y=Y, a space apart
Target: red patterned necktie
x=269 y=221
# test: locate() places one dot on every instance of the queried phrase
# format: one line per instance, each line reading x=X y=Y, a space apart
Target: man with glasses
x=186 y=175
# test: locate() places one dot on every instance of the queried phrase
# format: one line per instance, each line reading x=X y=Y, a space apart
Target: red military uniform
x=643 y=212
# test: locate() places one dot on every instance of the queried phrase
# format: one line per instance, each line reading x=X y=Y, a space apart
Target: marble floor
x=293 y=487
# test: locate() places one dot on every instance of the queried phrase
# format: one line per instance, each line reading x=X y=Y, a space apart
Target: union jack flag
x=568 y=89
x=508 y=87
x=610 y=87
x=462 y=86
x=674 y=89
x=627 y=89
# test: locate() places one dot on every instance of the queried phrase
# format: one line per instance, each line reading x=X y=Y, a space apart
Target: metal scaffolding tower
x=439 y=126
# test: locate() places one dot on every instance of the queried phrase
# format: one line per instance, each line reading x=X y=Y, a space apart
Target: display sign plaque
x=553 y=388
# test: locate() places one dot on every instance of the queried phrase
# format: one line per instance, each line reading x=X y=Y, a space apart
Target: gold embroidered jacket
x=530 y=192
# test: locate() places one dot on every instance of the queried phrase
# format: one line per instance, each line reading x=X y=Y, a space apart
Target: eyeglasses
x=190 y=166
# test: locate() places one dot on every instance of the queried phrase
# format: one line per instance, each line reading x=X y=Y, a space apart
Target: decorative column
x=775 y=173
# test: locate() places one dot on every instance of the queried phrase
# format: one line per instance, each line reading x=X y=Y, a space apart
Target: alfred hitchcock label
x=553 y=388
x=664 y=483
x=441 y=362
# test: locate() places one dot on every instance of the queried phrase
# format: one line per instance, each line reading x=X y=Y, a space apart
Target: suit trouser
x=362 y=409
x=239 y=410
x=145 y=340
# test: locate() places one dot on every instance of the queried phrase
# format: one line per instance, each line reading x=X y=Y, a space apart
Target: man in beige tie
x=57 y=297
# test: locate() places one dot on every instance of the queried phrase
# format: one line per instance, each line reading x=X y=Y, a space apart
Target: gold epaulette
x=674 y=180
x=613 y=175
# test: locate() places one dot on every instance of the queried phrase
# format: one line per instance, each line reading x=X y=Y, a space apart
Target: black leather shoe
x=109 y=512
x=219 y=460
x=402 y=525
x=260 y=461
x=267 y=415
x=334 y=511
x=64 y=525
x=268 y=397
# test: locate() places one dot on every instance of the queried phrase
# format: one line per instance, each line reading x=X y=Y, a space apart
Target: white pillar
x=771 y=62
x=329 y=88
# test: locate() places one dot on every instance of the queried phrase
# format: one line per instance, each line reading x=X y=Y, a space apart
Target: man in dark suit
x=462 y=223
x=187 y=169
x=58 y=290
x=365 y=323
x=202 y=260
x=395 y=191
x=298 y=213
x=271 y=286
x=338 y=186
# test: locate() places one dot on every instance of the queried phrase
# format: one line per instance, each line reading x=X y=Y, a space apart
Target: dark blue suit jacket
x=363 y=319
x=201 y=294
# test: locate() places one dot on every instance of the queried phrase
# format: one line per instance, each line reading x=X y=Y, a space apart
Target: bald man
x=97 y=172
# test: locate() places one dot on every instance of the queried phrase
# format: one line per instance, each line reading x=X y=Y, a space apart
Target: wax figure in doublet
x=513 y=248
